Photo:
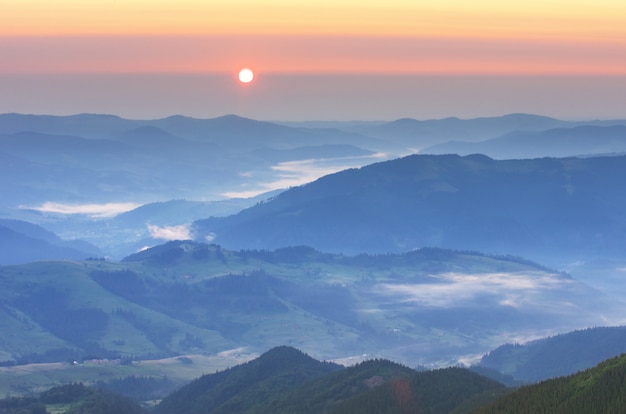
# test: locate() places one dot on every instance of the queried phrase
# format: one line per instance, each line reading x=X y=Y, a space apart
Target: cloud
x=91 y=210
x=454 y=289
x=182 y=232
x=295 y=173
x=289 y=174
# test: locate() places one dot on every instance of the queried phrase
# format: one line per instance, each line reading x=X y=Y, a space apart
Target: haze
x=321 y=61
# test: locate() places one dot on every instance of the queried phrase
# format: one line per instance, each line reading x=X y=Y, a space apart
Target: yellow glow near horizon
x=530 y=18
x=325 y=36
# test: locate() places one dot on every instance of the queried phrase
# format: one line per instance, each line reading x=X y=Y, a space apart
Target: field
x=32 y=378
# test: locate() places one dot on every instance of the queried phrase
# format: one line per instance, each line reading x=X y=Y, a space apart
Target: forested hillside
x=438 y=392
x=600 y=390
x=242 y=389
x=283 y=380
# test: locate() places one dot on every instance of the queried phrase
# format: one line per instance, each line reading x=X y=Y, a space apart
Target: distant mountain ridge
x=100 y=158
x=421 y=134
x=561 y=142
x=558 y=355
x=23 y=242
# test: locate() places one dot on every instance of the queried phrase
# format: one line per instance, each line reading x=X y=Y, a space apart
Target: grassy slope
x=298 y=325
x=81 y=292
x=25 y=379
x=187 y=298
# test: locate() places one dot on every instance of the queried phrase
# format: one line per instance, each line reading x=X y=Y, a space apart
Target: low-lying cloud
x=182 y=232
x=92 y=210
x=295 y=173
x=454 y=289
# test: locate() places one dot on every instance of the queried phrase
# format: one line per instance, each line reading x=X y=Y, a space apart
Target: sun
x=246 y=75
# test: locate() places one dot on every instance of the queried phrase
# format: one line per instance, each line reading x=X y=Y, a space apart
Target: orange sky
x=458 y=18
x=322 y=59
x=278 y=36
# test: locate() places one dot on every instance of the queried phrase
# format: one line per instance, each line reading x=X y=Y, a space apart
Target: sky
x=322 y=60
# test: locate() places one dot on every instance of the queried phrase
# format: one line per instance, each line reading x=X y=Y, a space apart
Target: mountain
x=23 y=242
x=595 y=390
x=561 y=142
x=243 y=388
x=330 y=390
x=558 y=355
x=283 y=380
x=546 y=209
x=429 y=306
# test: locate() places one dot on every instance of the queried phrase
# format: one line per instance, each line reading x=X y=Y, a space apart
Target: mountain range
x=52 y=167
x=145 y=156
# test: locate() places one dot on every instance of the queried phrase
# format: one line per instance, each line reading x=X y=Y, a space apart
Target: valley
x=157 y=252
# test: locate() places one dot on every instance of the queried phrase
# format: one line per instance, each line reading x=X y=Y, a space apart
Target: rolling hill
x=429 y=306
